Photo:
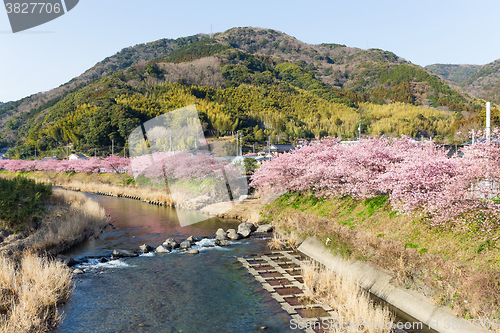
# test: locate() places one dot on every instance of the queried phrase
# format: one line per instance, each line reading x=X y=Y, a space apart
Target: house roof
x=48 y=159
x=281 y=147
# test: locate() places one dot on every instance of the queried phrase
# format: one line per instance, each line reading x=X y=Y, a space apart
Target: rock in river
x=232 y=234
x=244 y=233
x=145 y=248
x=265 y=228
x=222 y=242
x=221 y=234
x=192 y=239
x=186 y=244
x=192 y=251
x=162 y=249
x=171 y=243
x=124 y=254
x=246 y=225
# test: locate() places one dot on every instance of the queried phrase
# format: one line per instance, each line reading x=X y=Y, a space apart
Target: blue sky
x=423 y=32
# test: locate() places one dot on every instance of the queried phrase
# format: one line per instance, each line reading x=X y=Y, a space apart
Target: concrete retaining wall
x=377 y=282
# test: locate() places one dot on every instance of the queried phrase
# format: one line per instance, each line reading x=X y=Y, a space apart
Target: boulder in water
x=162 y=249
x=232 y=234
x=265 y=228
x=244 y=233
x=222 y=242
x=246 y=225
x=221 y=234
x=192 y=239
x=185 y=245
x=124 y=254
x=145 y=248
x=171 y=242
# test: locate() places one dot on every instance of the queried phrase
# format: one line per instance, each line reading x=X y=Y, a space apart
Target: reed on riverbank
x=112 y=183
x=70 y=218
x=31 y=290
x=32 y=284
x=343 y=294
x=140 y=192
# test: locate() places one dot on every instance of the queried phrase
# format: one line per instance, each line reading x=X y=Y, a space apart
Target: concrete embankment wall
x=377 y=282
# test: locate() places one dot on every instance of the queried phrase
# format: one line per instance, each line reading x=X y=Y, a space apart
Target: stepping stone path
x=281 y=275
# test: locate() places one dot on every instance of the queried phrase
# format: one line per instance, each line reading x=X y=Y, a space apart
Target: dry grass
x=81 y=219
x=72 y=217
x=31 y=287
x=343 y=294
x=92 y=183
x=141 y=192
x=277 y=242
x=281 y=241
x=30 y=293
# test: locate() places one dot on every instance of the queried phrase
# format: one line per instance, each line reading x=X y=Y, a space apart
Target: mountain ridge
x=257 y=57
x=481 y=81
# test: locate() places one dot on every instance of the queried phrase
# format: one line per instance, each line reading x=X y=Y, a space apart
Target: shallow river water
x=176 y=292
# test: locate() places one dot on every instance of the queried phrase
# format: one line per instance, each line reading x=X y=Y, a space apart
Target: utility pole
x=95 y=153
x=241 y=144
x=67 y=152
x=112 y=147
x=359 y=131
x=237 y=145
x=35 y=152
x=488 y=121
x=269 y=145
x=473 y=136
x=171 y=143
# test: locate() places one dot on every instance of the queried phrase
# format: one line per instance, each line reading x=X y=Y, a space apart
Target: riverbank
x=112 y=184
x=32 y=283
x=450 y=268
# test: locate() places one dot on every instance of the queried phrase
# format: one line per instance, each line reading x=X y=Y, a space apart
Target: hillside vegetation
x=258 y=81
x=476 y=80
x=454 y=73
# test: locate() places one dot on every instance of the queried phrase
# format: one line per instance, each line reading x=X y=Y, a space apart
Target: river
x=175 y=292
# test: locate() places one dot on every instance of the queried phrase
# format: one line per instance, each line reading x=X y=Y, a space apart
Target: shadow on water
x=176 y=292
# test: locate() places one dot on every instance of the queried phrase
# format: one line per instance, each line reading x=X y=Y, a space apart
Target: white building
x=78 y=157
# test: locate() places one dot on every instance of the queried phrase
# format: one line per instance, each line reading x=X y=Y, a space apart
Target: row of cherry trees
x=111 y=163
x=419 y=178
x=157 y=166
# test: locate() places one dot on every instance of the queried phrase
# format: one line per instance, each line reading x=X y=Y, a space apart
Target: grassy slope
x=450 y=267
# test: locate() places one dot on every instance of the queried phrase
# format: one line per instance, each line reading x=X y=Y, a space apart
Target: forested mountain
x=476 y=80
x=454 y=73
x=19 y=111
x=259 y=81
